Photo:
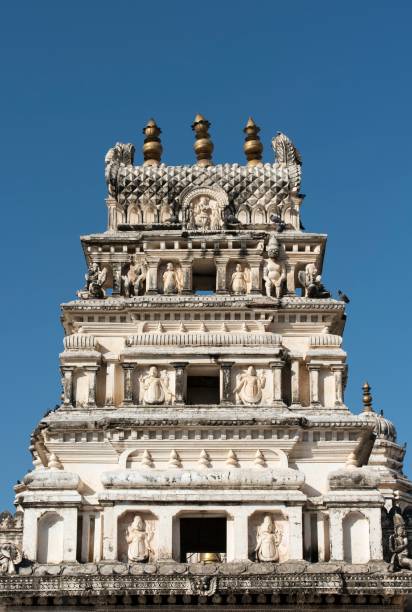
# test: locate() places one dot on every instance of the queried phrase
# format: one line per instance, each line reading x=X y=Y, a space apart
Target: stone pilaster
x=255 y=265
x=295 y=383
x=314 y=384
x=117 y=278
x=127 y=383
x=91 y=373
x=290 y=279
x=151 y=279
x=67 y=382
x=338 y=372
x=112 y=213
x=226 y=370
x=277 y=367
x=187 y=278
x=221 y=264
x=180 y=370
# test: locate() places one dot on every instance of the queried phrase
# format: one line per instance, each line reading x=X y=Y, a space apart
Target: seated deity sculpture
x=95 y=279
x=274 y=272
x=205 y=214
x=311 y=281
x=268 y=538
x=172 y=280
x=398 y=545
x=138 y=540
x=249 y=388
x=134 y=279
x=240 y=280
x=156 y=388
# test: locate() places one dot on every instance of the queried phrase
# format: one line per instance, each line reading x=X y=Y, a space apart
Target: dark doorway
x=202 y=535
x=203 y=390
x=204 y=276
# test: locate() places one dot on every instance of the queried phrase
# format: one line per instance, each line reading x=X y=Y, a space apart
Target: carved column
x=338 y=372
x=187 y=277
x=226 y=369
x=295 y=391
x=151 y=279
x=277 y=367
x=91 y=372
x=117 y=278
x=112 y=213
x=314 y=384
x=290 y=279
x=110 y=380
x=67 y=382
x=255 y=265
x=221 y=264
x=127 y=384
x=180 y=370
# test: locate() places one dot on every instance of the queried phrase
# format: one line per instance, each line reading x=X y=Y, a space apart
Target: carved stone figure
x=274 y=272
x=6 y=520
x=95 y=279
x=311 y=281
x=172 y=280
x=398 y=545
x=268 y=538
x=240 y=280
x=134 y=279
x=10 y=556
x=206 y=213
x=156 y=387
x=249 y=388
x=138 y=540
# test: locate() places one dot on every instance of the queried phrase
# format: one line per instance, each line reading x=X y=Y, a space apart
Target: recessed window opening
x=203 y=386
x=204 y=276
x=202 y=539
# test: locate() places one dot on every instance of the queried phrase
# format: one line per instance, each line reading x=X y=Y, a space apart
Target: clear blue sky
x=78 y=76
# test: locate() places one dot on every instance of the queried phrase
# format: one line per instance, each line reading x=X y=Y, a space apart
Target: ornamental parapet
x=204 y=339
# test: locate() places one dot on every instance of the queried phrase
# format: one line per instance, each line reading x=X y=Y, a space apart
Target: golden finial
x=203 y=145
x=152 y=147
x=367 y=398
x=252 y=146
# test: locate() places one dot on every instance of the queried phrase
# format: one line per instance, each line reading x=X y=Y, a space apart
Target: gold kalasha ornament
x=367 y=398
x=152 y=147
x=252 y=147
x=203 y=145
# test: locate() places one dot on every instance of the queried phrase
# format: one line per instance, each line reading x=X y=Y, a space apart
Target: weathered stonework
x=202 y=452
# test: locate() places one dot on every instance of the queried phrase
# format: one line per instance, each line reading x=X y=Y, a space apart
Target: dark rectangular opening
x=202 y=535
x=202 y=390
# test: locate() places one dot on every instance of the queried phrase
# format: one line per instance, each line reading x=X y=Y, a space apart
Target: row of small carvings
x=81 y=342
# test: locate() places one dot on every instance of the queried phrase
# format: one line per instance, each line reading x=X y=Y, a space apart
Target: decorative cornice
x=204 y=339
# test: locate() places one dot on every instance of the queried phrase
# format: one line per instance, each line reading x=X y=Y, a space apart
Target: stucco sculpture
x=249 y=387
x=138 y=540
x=156 y=387
x=268 y=538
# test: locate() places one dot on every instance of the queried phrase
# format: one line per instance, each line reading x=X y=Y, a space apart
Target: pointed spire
x=174 y=460
x=252 y=146
x=367 y=398
x=146 y=459
x=204 y=459
x=203 y=145
x=152 y=146
x=259 y=459
x=232 y=459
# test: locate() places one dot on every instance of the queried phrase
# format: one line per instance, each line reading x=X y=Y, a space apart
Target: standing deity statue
x=10 y=556
x=172 y=280
x=268 y=538
x=274 y=272
x=156 y=388
x=311 y=281
x=95 y=279
x=249 y=388
x=134 y=279
x=398 y=545
x=138 y=540
x=240 y=280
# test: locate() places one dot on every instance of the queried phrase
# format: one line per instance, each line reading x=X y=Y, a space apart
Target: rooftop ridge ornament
x=252 y=146
x=203 y=145
x=152 y=146
x=367 y=398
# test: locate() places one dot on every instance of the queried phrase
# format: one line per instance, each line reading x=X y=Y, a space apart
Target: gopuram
x=202 y=452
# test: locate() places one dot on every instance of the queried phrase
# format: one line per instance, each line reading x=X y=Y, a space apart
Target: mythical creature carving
x=10 y=557
x=116 y=157
x=268 y=538
x=172 y=279
x=156 y=387
x=274 y=271
x=311 y=281
x=95 y=279
x=250 y=386
x=138 y=538
x=398 y=546
x=240 y=282
x=286 y=153
x=134 y=279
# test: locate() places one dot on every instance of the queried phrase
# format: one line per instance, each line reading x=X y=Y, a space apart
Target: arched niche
x=280 y=523
x=355 y=530
x=243 y=215
x=165 y=214
x=123 y=523
x=50 y=538
x=80 y=387
x=134 y=215
x=149 y=213
x=259 y=216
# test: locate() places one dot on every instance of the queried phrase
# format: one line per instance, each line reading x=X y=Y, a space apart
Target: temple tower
x=202 y=451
